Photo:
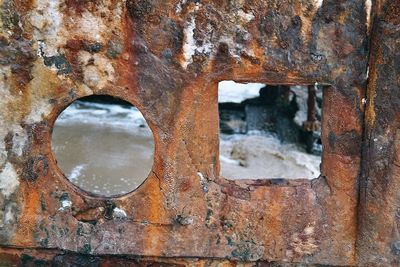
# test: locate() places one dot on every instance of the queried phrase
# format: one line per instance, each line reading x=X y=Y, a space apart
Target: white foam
x=76 y=172
x=230 y=91
x=122 y=117
x=228 y=160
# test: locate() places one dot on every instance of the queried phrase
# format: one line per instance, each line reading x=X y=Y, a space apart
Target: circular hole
x=103 y=145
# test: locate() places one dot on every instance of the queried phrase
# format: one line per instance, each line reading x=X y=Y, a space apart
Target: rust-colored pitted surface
x=166 y=57
x=379 y=238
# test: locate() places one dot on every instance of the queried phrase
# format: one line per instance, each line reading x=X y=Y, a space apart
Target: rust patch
x=167 y=57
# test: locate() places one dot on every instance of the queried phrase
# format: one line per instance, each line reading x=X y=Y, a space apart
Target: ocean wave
x=230 y=91
x=115 y=115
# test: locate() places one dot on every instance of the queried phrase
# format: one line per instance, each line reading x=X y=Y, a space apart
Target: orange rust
x=184 y=208
x=24 y=236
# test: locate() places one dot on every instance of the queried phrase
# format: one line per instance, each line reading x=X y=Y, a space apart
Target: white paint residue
x=54 y=13
x=318 y=3
x=47 y=20
x=8 y=180
x=9 y=216
x=179 y=6
x=91 y=26
x=247 y=17
x=189 y=47
x=201 y=177
x=92 y=77
x=203 y=182
x=3 y=154
x=52 y=28
x=41 y=48
x=19 y=140
x=119 y=213
x=5 y=71
x=99 y=72
x=368 y=5
x=76 y=172
x=65 y=204
x=39 y=111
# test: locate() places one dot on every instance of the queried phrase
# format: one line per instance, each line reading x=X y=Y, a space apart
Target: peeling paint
x=94 y=26
x=20 y=139
x=189 y=46
x=247 y=17
x=91 y=27
x=184 y=198
x=203 y=182
x=46 y=20
x=65 y=204
x=5 y=98
x=119 y=213
x=8 y=180
x=9 y=216
x=179 y=6
x=39 y=111
x=99 y=72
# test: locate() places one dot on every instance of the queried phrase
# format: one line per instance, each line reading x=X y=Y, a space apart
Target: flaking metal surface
x=166 y=58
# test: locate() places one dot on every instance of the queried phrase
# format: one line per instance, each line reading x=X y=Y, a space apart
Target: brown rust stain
x=378 y=239
x=176 y=212
x=24 y=234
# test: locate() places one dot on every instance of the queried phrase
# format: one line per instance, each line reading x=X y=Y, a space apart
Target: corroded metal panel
x=379 y=236
x=166 y=58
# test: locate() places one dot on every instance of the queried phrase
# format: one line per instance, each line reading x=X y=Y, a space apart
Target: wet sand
x=261 y=157
x=103 y=159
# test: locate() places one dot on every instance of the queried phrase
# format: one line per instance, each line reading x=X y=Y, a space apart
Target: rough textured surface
x=379 y=238
x=39 y=257
x=166 y=58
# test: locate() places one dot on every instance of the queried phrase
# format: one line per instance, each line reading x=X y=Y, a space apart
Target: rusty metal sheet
x=166 y=58
x=379 y=238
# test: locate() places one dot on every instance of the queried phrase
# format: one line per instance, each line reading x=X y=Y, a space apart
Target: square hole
x=269 y=131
